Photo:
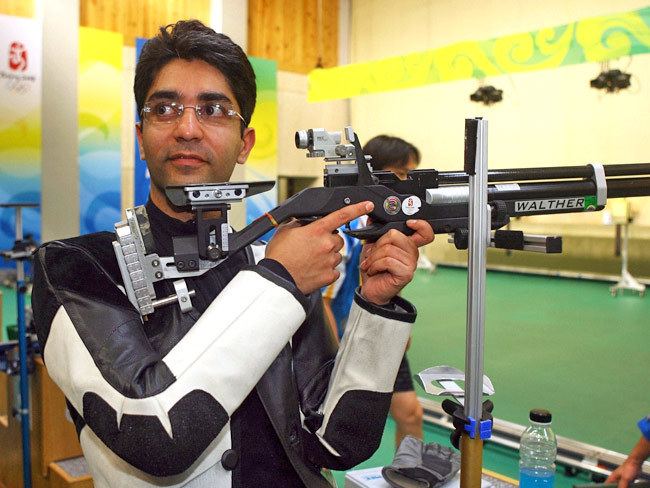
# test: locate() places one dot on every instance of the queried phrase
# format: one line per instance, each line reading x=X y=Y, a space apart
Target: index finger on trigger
x=342 y=216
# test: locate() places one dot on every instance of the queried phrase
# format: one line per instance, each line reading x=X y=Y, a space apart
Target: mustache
x=192 y=148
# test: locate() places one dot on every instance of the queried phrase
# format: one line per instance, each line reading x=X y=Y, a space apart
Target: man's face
x=186 y=150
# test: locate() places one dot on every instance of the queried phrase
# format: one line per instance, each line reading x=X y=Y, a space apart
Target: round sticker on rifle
x=411 y=205
x=392 y=205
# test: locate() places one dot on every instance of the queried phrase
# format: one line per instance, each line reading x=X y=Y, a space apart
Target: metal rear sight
x=321 y=143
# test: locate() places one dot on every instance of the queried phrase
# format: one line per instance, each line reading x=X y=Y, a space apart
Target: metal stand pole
x=22 y=351
x=471 y=450
x=627 y=281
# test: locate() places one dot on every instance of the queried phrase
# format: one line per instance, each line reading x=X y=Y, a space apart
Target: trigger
x=368 y=233
x=374 y=231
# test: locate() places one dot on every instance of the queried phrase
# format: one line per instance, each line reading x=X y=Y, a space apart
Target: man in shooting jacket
x=248 y=388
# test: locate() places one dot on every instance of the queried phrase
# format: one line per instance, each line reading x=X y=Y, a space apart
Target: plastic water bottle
x=537 y=451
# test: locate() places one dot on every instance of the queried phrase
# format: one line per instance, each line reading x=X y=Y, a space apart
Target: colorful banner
x=590 y=40
x=20 y=125
x=141 y=178
x=262 y=163
x=100 y=119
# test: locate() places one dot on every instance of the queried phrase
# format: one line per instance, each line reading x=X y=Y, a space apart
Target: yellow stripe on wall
x=589 y=40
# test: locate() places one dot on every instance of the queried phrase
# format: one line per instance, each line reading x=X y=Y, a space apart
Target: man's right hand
x=310 y=253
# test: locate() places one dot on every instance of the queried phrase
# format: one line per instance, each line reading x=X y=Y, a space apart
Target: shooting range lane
x=564 y=344
x=9 y=309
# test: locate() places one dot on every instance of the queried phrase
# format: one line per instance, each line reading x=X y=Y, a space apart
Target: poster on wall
x=262 y=163
x=141 y=177
x=100 y=119
x=20 y=125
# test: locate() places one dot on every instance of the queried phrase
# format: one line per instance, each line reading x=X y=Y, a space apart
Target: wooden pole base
x=471 y=462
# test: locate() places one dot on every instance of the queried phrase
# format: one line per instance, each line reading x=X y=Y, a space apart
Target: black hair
x=189 y=40
x=390 y=151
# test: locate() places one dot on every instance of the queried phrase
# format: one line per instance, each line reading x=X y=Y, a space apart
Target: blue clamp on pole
x=484 y=428
x=470 y=427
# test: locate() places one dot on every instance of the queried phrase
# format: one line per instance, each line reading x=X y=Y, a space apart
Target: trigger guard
x=374 y=231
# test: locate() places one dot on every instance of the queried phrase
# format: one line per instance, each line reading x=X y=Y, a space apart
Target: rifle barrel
x=547 y=173
x=616 y=188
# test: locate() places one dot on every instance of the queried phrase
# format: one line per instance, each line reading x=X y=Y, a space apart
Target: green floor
x=561 y=344
x=8 y=310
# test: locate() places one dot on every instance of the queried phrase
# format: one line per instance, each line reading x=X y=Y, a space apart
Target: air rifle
x=440 y=198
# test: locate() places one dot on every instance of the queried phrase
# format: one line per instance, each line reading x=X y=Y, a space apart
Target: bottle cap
x=540 y=415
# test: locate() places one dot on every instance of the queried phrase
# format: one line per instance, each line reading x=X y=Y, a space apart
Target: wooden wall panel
x=133 y=18
x=53 y=437
x=139 y=18
x=295 y=34
x=4 y=401
x=56 y=436
x=18 y=8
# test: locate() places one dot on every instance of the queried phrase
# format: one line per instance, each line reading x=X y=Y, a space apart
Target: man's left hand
x=388 y=265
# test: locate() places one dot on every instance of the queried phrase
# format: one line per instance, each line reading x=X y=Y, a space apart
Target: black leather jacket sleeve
x=157 y=411
x=345 y=402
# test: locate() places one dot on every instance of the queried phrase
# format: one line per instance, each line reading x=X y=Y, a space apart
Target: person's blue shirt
x=341 y=292
x=644 y=427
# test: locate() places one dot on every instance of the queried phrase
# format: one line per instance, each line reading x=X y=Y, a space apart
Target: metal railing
x=571 y=453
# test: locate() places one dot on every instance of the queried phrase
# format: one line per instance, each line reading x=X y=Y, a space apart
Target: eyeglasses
x=208 y=113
